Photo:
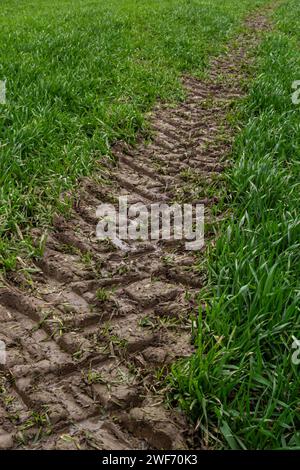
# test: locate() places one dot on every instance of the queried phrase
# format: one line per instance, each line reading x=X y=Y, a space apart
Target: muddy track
x=89 y=332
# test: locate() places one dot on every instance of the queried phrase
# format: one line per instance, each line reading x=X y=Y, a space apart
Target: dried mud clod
x=91 y=328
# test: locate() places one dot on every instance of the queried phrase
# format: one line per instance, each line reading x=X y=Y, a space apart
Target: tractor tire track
x=89 y=331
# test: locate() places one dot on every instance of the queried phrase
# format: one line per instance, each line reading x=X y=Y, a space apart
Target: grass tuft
x=80 y=75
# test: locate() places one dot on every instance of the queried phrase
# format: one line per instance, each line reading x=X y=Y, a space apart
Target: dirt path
x=88 y=333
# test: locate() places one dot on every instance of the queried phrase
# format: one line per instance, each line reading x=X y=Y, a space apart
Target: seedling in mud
x=10 y=378
x=147 y=322
x=5 y=396
x=188 y=296
x=122 y=269
x=38 y=249
x=120 y=343
x=67 y=307
x=102 y=295
x=192 y=176
x=21 y=438
x=8 y=399
x=240 y=387
x=87 y=258
x=36 y=419
x=160 y=373
x=68 y=249
x=77 y=355
x=106 y=329
x=168 y=260
x=133 y=370
x=113 y=199
x=56 y=324
x=99 y=265
x=45 y=318
x=107 y=244
x=169 y=322
x=69 y=438
x=155 y=279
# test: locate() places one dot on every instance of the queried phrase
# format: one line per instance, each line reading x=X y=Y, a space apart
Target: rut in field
x=87 y=335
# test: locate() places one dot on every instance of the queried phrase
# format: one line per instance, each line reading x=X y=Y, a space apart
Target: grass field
x=241 y=385
x=80 y=75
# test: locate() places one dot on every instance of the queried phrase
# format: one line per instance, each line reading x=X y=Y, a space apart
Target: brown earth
x=91 y=331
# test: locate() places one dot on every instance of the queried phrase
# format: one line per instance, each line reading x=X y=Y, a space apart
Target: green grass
x=80 y=75
x=241 y=386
